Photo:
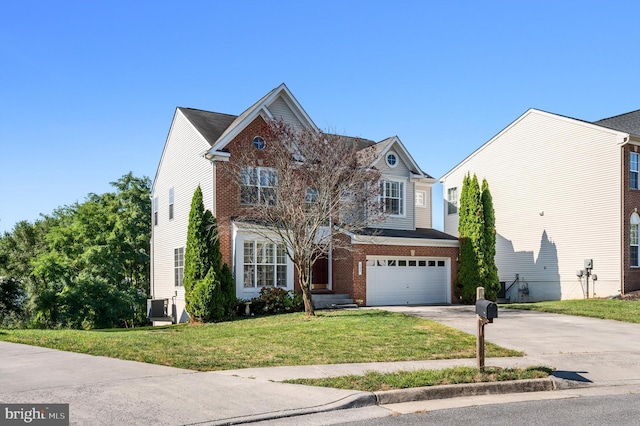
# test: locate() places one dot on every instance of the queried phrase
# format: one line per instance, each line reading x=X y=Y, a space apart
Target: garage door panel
x=402 y=285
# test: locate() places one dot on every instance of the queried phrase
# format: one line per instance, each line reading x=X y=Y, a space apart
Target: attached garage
x=407 y=281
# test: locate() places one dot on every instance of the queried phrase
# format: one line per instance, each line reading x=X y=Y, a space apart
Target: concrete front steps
x=332 y=301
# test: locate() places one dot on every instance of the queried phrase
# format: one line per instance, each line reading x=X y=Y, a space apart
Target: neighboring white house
x=563 y=192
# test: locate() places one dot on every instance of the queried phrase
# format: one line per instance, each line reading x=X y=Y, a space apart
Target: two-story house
x=564 y=191
x=400 y=261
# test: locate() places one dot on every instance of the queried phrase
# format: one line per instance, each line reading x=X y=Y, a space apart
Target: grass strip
x=364 y=335
x=611 y=309
x=373 y=381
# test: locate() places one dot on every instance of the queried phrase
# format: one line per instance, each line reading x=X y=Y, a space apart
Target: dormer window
x=259 y=142
x=392 y=159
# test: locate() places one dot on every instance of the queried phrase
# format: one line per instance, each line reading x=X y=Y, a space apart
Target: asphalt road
x=619 y=410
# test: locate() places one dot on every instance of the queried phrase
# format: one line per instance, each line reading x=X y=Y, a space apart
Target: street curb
x=367 y=399
x=473 y=389
x=357 y=400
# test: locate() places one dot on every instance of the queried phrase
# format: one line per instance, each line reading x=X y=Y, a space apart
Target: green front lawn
x=373 y=381
x=331 y=337
x=613 y=309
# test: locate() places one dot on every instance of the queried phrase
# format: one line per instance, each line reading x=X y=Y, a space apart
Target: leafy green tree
x=490 y=279
x=470 y=231
x=206 y=281
x=66 y=259
x=11 y=301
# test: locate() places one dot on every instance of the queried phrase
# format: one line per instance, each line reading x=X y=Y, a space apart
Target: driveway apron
x=600 y=351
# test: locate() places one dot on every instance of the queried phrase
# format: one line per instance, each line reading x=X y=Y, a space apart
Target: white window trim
x=175 y=267
x=255 y=263
x=171 y=204
x=386 y=159
x=424 y=198
x=634 y=222
x=258 y=185
x=636 y=171
x=403 y=199
x=155 y=211
x=448 y=203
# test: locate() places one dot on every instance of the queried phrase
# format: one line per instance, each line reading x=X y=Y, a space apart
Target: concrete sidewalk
x=103 y=390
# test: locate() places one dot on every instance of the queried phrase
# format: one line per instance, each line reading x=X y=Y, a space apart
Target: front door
x=320 y=274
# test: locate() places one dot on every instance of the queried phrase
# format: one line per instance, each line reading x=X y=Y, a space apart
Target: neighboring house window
x=259 y=185
x=633 y=169
x=392 y=197
x=421 y=199
x=171 y=204
x=265 y=264
x=633 y=239
x=155 y=211
x=178 y=266
x=452 y=200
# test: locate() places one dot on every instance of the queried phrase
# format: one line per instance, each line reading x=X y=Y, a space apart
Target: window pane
x=281 y=257
x=412 y=263
x=269 y=253
x=391 y=263
x=249 y=276
x=440 y=262
x=249 y=252
x=402 y=263
x=265 y=275
x=422 y=263
x=634 y=180
x=634 y=255
x=281 y=276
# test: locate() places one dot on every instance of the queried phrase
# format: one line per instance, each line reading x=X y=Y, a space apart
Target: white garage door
x=408 y=281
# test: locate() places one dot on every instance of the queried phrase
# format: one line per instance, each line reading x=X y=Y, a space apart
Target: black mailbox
x=486 y=309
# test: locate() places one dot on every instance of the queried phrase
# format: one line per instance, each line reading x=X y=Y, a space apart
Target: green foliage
x=274 y=300
x=490 y=279
x=12 y=298
x=207 y=299
x=476 y=231
x=209 y=286
x=104 y=239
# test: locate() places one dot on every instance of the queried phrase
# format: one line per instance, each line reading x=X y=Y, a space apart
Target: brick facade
x=631 y=203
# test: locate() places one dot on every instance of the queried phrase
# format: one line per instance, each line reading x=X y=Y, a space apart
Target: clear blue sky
x=88 y=88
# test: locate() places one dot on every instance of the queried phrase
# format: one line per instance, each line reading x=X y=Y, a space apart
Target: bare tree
x=305 y=186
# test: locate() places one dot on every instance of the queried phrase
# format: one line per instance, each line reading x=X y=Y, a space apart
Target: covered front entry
x=407 y=280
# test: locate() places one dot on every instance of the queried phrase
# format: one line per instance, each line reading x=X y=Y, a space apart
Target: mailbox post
x=486 y=311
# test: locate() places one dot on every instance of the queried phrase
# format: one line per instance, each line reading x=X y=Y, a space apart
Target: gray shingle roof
x=426 y=233
x=211 y=125
x=629 y=122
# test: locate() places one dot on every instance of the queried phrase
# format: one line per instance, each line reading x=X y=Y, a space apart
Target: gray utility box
x=486 y=309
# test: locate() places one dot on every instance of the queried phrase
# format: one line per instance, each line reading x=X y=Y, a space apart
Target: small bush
x=276 y=301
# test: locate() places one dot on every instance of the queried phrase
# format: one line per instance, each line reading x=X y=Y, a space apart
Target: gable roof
x=385 y=145
x=211 y=125
x=596 y=125
x=261 y=108
x=628 y=122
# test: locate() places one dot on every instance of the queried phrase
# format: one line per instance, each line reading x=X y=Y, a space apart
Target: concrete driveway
x=600 y=351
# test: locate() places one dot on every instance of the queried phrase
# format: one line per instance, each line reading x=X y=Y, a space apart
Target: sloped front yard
x=332 y=337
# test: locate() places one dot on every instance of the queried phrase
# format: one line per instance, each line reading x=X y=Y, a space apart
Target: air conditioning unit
x=157 y=308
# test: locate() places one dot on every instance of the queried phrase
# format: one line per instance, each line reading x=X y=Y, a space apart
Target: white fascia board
x=216 y=156
x=398 y=241
x=422 y=179
x=517 y=120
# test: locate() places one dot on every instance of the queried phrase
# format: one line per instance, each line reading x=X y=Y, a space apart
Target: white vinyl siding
x=399 y=173
x=552 y=211
x=182 y=167
x=280 y=109
x=423 y=216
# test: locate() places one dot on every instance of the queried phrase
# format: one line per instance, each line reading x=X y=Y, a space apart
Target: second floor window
x=633 y=171
x=170 y=203
x=258 y=185
x=452 y=200
x=155 y=211
x=392 y=197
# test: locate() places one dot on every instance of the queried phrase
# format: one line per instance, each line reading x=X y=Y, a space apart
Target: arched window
x=633 y=239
